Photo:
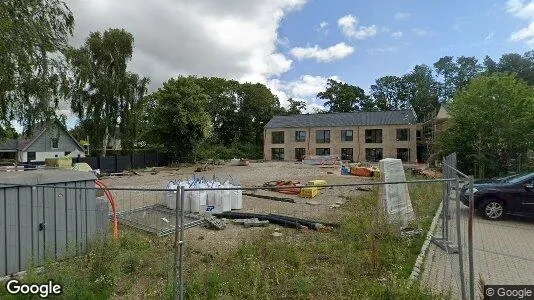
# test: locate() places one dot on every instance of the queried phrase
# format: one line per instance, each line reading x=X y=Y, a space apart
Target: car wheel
x=493 y=209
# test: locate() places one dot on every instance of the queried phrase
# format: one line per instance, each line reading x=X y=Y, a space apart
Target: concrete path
x=503 y=254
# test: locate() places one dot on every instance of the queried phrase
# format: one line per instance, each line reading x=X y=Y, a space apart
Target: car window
x=521 y=178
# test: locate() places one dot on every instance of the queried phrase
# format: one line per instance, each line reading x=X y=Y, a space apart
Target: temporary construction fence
x=137 y=205
x=472 y=252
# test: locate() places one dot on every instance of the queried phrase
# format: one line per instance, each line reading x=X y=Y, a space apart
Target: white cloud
x=304 y=89
x=396 y=34
x=526 y=12
x=489 y=36
x=323 y=28
x=230 y=39
x=313 y=108
x=349 y=27
x=402 y=16
x=421 y=32
x=332 y=53
x=382 y=50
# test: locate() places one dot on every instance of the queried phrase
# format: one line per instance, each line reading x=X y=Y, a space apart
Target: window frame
x=28 y=156
x=54 y=141
x=323 y=140
x=399 y=134
x=344 y=135
x=351 y=154
x=303 y=154
x=276 y=142
x=374 y=157
x=407 y=154
x=298 y=136
x=324 y=150
x=279 y=152
x=373 y=136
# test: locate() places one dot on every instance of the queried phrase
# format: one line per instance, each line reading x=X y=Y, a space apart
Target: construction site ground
x=327 y=206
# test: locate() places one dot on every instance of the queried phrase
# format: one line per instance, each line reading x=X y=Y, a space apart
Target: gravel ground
x=203 y=239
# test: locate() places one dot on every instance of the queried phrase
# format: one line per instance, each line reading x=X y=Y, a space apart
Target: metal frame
x=451 y=172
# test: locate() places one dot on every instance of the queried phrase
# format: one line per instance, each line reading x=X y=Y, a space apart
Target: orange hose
x=111 y=200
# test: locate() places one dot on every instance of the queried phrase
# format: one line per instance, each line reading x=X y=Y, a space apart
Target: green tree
x=32 y=73
x=102 y=90
x=133 y=123
x=222 y=107
x=295 y=107
x=522 y=66
x=456 y=74
x=489 y=65
x=479 y=132
x=343 y=97
x=179 y=120
x=422 y=92
x=390 y=93
x=256 y=106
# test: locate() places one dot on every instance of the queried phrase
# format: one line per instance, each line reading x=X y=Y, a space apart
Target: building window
x=373 y=136
x=277 y=153
x=347 y=154
x=403 y=134
x=346 y=135
x=55 y=143
x=322 y=136
x=299 y=153
x=373 y=154
x=403 y=154
x=322 y=151
x=277 y=137
x=418 y=135
x=300 y=136
x=31 y=156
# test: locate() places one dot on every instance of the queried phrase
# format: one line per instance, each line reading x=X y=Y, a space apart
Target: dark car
x=513 y=195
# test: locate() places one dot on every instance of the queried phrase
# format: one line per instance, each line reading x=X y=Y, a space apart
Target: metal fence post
x=470 y=241
x=459 y=238
x=176 y=280
x=181 y=244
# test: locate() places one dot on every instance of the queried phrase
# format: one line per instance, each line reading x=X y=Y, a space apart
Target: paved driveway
x=503 y=253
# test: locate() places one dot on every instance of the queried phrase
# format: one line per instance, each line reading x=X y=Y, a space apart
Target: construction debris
x=252 y=222
x=212 y=222
x=239 y=162
x=287 y=187
x=289 y=200
x=309 y=192
x=312 y=202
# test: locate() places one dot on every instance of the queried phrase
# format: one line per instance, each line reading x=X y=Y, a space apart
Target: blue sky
x=428 y=31
x=294 y=46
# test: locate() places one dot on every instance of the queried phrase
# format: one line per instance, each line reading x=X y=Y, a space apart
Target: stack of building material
x=320 y=160
x=59 y=162
x=395 y=198
x=309 y=192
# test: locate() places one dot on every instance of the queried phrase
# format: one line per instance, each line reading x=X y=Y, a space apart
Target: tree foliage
x=179 y=120
x=102 y=90
x=296 y=107
x=390 y=93
x=32 y=73
x=422 y=92
x=343 y=97
x=476 y=131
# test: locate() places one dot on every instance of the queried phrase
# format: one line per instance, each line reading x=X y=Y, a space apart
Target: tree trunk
x=105 y=141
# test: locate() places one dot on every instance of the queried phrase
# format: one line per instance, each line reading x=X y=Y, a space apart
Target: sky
x=294 y=46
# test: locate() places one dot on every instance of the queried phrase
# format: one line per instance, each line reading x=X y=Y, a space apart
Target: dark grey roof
x=9 y=144
x=392 y=117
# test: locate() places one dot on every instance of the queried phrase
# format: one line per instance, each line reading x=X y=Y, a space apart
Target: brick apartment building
x=356 y=136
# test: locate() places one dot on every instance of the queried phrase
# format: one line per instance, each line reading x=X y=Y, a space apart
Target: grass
x=366 y=258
